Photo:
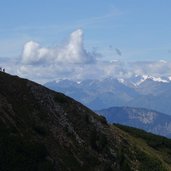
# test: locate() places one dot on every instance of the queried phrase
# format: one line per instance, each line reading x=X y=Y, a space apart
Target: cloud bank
x=72 y=61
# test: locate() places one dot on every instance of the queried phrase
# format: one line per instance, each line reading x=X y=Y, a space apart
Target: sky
x=57 y=39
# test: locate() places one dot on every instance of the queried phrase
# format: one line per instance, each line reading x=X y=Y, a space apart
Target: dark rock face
x=59 y=126
x=44 y=130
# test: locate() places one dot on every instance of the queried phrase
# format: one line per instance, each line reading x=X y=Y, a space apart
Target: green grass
x=157 y=148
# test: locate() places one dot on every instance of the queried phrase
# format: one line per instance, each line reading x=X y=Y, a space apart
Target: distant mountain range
x=137 y=91
x=96 y=94
x=149 y=120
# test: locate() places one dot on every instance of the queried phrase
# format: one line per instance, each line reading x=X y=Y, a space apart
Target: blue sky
x=139 y=29
x=46 y=40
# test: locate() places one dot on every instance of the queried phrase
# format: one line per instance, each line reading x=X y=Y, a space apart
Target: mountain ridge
x=152 y=93
x=44 y=130
x=149 y=120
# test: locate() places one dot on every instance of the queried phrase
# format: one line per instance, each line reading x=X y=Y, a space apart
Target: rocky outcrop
x=44 y=130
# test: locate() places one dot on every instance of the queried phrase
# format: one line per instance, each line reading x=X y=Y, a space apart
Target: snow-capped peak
x=58 y=80
x=136 y=80
x=159 y=79
x=140 y=79
x=78 y=82
x=156 y=79
x=121 y=80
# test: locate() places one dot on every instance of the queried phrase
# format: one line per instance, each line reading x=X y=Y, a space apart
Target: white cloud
x=154 y=68
x=72 y=52
x=73 y=61
x=98 y=70
x=33 y=53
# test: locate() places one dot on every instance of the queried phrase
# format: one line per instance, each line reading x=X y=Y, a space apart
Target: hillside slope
x=44 y=130
x=150 y=142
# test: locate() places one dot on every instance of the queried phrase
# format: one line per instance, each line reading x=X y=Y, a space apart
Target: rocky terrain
x=41 y=130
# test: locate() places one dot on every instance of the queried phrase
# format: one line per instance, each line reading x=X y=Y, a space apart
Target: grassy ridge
x=150 y=143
